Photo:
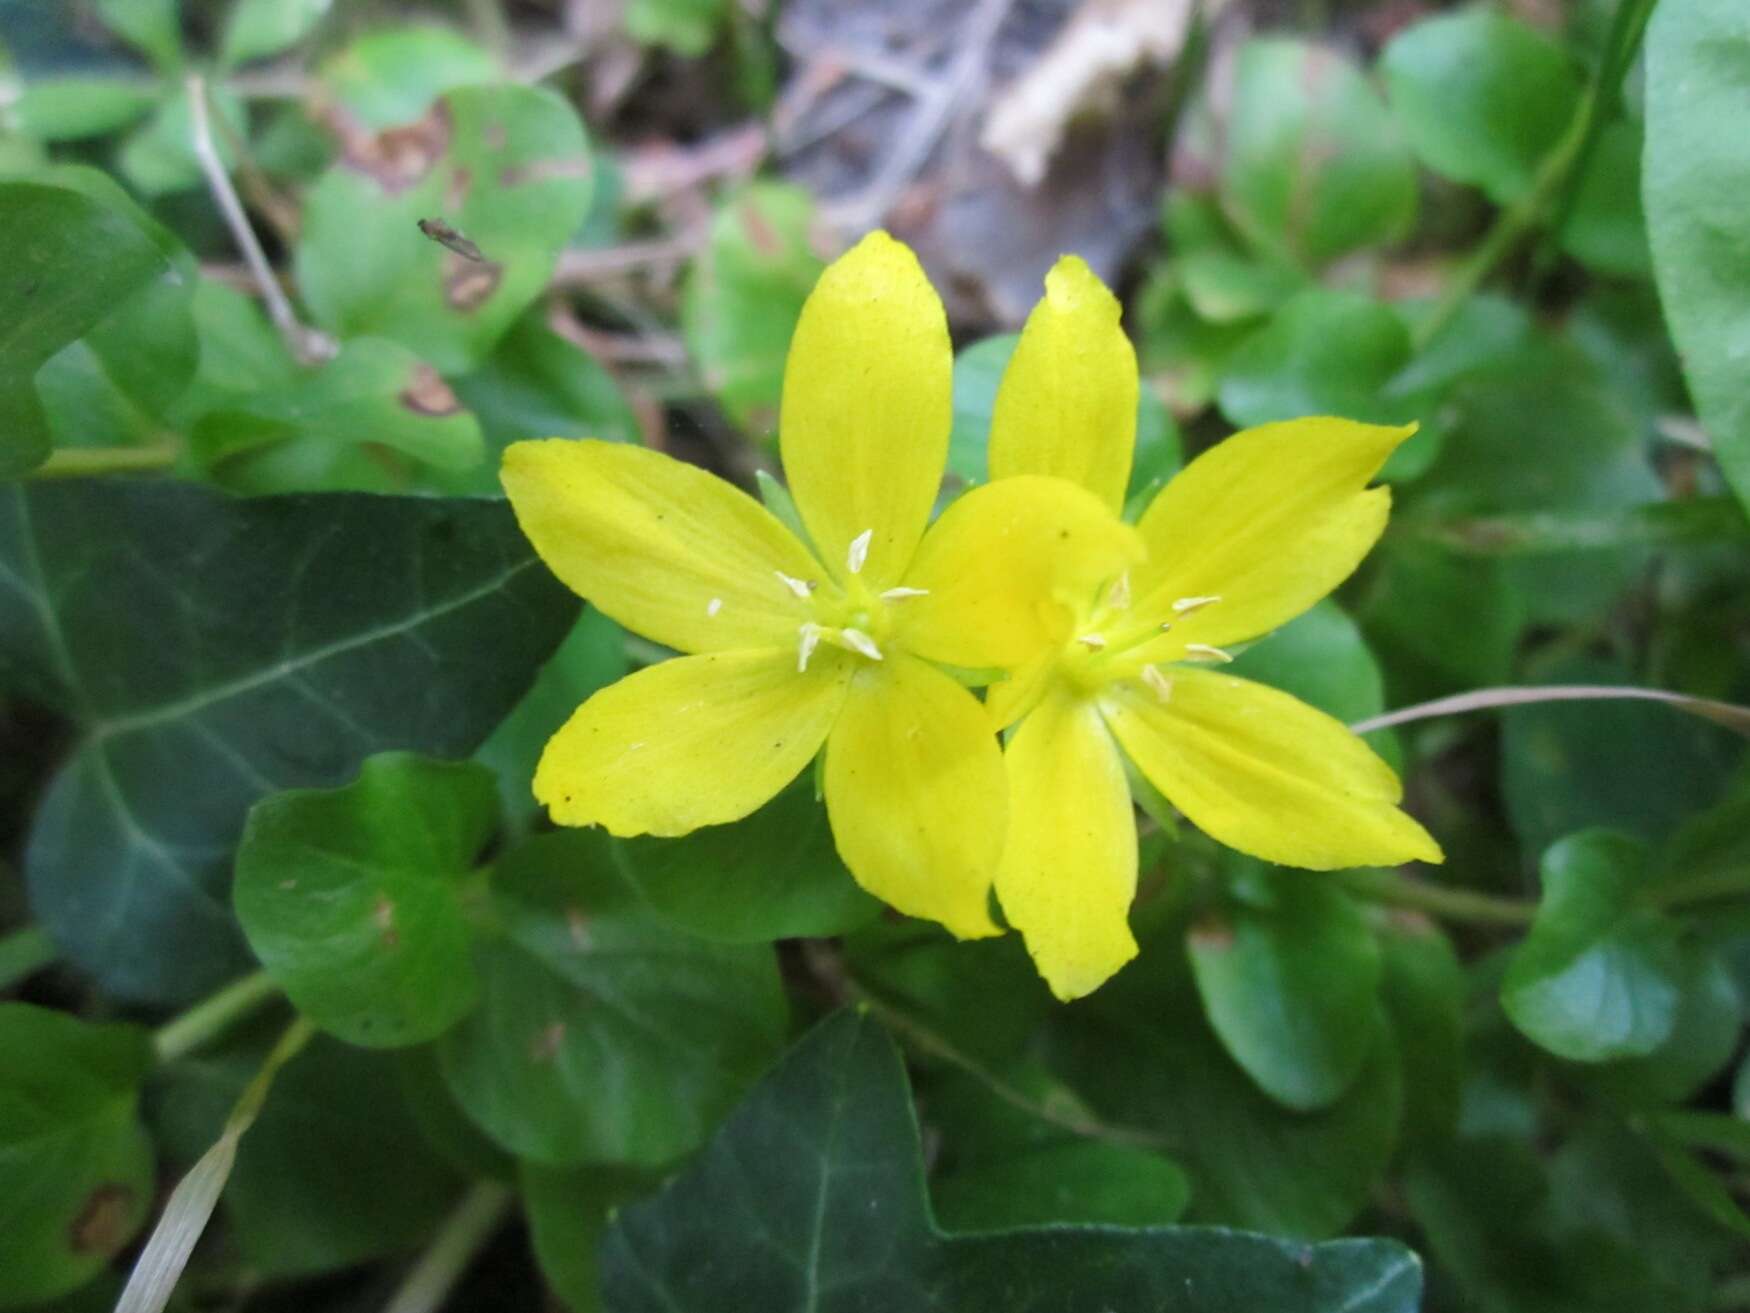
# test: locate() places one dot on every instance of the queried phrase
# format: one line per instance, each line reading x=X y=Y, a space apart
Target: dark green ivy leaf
x=821 y=1163
x=211 y=651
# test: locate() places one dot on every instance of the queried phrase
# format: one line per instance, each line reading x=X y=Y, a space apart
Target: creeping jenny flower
x=792 y=645
x=1246 y=537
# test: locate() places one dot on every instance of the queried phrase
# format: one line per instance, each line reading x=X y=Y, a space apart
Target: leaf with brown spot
x=364 y=268
x=75 y=1163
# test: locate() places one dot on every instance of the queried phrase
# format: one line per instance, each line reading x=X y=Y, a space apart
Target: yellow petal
x=698 y=740
x=916 y=794
x=1007 y=700
x=1264 y=773
x=1006 y=569
x=867 y=404
x=1269 y=521
x=1068 y=873
x=669 y=551
x=1067 y=403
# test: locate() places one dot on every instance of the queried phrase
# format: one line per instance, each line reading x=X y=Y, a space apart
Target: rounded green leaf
x=568 y=1209
x=604 y=1034
x=75 y=1164
x=1483 y=96
x=266 y=27
x=1597 y=976
x=506 y=166
x=1290 y=983
x=1314 y=162
x=75 y=108
x=1697 y=173
x=744 y=294
x=390 y=77
x=774 y=875
x=350 y=896
x=74 y=259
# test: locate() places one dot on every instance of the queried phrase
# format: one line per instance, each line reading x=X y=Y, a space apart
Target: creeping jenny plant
x=1247 y=537
x=792 y=645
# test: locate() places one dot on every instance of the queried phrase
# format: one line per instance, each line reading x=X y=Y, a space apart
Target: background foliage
x=280 y=920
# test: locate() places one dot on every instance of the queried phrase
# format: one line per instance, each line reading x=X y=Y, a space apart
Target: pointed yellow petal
x=1269 y=521
x=669 y=551
x=916 y=794
x=1006 y=567
x=867 y=405
x=698 y=740
x=1264 y=773
x=1068 y=873
x=1067 y=403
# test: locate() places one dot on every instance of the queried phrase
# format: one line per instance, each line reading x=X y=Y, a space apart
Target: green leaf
x=1563 y=767
x=350 y=896
x=1704 y=1036
x=1141 y=1054
x=592 y=656
x=1698 y=82
x=821 y=1163
x=442 y=1124
x=75 y=1164
x=774 y=875
x=341 y=426
x=1597 y=976
x=257 y=28
x=77 y=108
x=999 y=1166
x=1419 y=588
x=154 y=26
x=688 y=27
x=389 y=78
x=1607 y=229
x=375 y=623
x=603 y=1035
x=1314 y=162
x=1291 y=987
x=978 y=371
x=333 y=1173
x=1483 y=97
x=744 y=294
x=538 y=385
x=74 y=260
x=1423 y=986
x=568 y=1210
x=507 y=166
x=159 y=159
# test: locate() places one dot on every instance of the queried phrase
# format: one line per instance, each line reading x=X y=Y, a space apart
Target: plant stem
x=1733 y=717
x=462 y=1236
x=830 y=971
x=1463 y=905
x=23 y=953
x=83 y=462
x=1728 y=882
x=213 y=1016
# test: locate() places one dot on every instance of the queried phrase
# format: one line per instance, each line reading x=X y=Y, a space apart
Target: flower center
x=855 y=617
x=1108 y=632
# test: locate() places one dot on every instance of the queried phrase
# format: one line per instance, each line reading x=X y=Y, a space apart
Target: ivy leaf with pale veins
x=821 y=1165
x=210 y=651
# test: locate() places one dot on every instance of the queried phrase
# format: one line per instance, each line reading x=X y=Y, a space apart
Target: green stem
x=464 y=1233
x=213 y=1016
x=83 y=462
x=1464 y=905
x=1729 y=882
x=23 y=953
x=831 y=972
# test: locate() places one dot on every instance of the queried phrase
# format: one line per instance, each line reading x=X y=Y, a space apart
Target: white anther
x=1093 y=642
x=858 y=551
x=1166 y=626
x=713 y=606
x=1119 y=598
x=805 y=648
x=862 y=642
x=900 y=594
x=1186 y=605
x=1208 y=653
x=801 y=587
x=1162 y=686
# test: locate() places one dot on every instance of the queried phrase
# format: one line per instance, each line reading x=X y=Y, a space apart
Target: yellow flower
x=1246 y=537
x=793 y=646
